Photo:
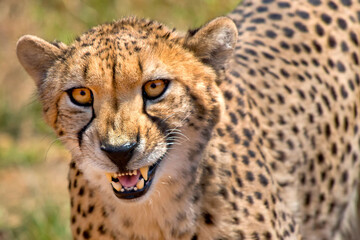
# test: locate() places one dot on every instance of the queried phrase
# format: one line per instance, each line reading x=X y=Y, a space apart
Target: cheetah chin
x=133 y=184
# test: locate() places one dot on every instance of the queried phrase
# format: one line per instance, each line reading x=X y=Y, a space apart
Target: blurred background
x=34 y=200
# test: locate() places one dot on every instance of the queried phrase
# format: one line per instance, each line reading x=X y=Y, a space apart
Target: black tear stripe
x=57 y=113
x=159 y=122
x=81 y=132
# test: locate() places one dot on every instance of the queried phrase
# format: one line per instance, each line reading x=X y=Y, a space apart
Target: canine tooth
x=135 y=188
x=134 y=172
x=144 y=172
x=140 y=184
x=122 y=190
x=108 y=176
x=116 y=185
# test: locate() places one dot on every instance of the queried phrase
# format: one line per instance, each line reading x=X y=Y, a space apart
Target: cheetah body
x=264 y=140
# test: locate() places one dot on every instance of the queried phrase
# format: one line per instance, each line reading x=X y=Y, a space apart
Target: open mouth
x=134 y=183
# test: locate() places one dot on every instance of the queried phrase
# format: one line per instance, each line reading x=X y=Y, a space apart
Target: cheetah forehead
x=130 y=28
x=131 y=50
x=125 y=37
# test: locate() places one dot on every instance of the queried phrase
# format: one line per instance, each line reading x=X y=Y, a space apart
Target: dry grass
x=34 y=200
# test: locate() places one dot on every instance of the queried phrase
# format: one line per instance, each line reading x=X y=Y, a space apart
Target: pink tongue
x=129 y=181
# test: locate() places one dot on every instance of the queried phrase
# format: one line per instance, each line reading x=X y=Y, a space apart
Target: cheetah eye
x=154 y=89
x=81 y=96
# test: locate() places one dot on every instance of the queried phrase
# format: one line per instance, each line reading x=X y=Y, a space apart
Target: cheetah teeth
x=130 y=173
x=117 y=186
x=112 y=177
x=144 y=172
x=140 y=184
x=109 y=176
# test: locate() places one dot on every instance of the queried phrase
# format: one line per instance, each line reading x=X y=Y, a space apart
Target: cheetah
x=245 y=128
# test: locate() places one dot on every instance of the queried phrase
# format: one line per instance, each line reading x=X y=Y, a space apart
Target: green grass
x=23 y=134
x=11 y=120
x=47 y=222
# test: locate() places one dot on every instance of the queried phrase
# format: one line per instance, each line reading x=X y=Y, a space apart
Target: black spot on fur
x=208 y=218
x=263 y=180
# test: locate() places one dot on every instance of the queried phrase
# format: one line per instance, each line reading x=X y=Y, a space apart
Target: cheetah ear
x=213 y=43
x=37 y=56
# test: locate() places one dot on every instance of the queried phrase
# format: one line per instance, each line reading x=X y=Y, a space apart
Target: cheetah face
x=133 y=101
x=127 y=151
x=127 y=140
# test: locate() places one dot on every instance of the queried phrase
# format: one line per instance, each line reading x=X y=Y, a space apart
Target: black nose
x=119 y=155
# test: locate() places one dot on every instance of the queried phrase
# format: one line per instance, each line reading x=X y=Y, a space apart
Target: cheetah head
x=134 y=101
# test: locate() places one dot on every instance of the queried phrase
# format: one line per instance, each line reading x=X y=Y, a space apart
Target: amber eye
x=81 y=96
x=154 y=89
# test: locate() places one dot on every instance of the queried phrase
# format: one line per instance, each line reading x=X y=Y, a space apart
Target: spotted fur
x=257 y=131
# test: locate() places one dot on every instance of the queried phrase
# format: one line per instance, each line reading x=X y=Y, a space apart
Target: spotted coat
x=255 y=137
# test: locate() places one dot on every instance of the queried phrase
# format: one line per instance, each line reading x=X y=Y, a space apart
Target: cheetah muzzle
x=133 y=184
